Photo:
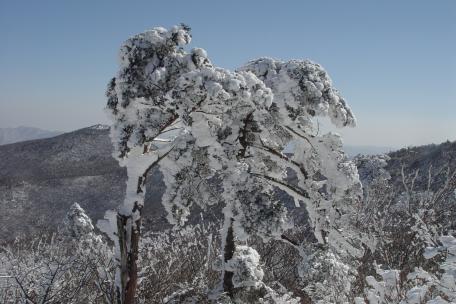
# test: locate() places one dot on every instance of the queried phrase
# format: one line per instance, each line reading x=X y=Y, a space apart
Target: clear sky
x=394 y=61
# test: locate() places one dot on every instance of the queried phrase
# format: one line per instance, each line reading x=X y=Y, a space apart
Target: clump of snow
x=246 y=267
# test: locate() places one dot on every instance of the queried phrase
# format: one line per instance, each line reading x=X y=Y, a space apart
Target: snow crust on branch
x=303 y=89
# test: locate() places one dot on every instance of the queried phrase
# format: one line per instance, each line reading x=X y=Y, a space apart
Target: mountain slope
x=40 y=179
x=437 y=159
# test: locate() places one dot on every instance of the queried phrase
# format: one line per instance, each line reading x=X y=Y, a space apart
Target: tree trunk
x=129 y=225
x=129 y=233
x=230 y=246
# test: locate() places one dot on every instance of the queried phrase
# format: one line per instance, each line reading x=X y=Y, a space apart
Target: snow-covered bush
x=246 y=268
x=406 y=261
x=326 y=277
x=419 y=286
x=177 y=265
x=72 y=266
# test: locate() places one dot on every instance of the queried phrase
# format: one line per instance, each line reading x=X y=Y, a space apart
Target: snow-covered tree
x=220 y=136
x=77 y=223
x=165 y=105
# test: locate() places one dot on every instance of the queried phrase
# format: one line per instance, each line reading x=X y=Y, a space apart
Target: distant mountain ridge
x=13 y=135
x=352 y=150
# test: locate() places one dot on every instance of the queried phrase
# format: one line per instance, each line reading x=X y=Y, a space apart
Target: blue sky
x=394 y=61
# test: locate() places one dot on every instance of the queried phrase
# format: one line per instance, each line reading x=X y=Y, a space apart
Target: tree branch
x=294 y=189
